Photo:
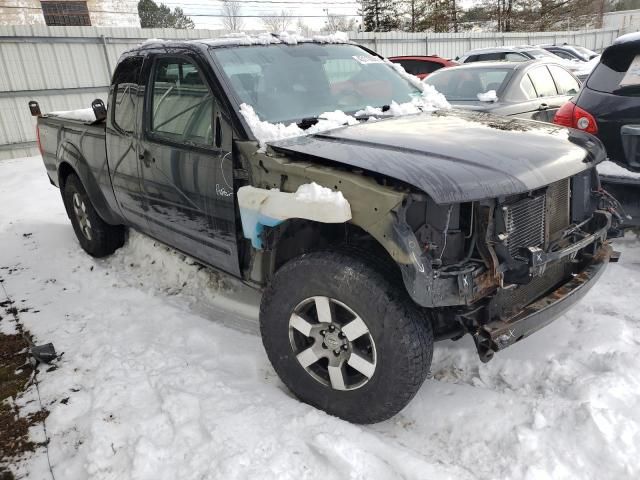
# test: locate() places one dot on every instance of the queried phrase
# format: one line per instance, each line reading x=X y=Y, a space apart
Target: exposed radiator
x=558 y=198
x=532 y=222
x=514 y=300
x=525 y=223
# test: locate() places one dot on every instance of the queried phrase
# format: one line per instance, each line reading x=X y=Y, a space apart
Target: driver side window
x=181 y=103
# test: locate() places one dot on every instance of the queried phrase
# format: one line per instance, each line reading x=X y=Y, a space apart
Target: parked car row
x=531 y=89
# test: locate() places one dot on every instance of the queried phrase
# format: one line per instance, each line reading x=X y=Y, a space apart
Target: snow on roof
x=242 y=39
x=629 y=37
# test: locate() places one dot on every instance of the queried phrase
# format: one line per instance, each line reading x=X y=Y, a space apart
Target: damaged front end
x=500 y=269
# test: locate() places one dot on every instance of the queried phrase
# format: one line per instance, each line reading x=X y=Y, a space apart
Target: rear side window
x=565 y=82
x=410 y=66
x=181 y=103
x=419 y=67
x=543 y=82
x=484 y=57
x=618 y=73
x=527 y=88
x=515 y=57
x=125 y=91
x=563 y=54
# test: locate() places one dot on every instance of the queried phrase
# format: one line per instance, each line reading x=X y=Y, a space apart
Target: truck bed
x=62 y=136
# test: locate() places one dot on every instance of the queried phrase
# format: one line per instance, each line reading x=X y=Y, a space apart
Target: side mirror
x=99 y=110
x=34 y=108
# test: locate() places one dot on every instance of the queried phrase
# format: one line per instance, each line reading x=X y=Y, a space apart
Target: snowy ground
x=154 y=384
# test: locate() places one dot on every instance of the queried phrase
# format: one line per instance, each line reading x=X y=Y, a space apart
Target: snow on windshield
x=430 y=100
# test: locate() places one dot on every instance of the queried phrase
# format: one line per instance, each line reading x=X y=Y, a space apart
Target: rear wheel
x=96 y=237
x=344 y=337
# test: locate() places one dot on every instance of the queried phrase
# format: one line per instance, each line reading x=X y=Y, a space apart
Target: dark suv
x=608 y=106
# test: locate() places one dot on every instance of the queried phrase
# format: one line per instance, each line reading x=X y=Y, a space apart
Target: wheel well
x=296 y=237
x=64 y=170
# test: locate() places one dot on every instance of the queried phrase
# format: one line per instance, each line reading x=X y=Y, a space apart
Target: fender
x=69 y=154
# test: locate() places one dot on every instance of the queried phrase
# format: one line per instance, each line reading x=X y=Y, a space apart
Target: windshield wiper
x=307 y=122
x=383 y=108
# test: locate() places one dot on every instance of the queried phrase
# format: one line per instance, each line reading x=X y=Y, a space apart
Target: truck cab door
x=122 y=130
x=186 y=165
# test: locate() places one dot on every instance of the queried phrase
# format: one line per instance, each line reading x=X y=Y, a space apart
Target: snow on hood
x=82 y=115
x=265 y=132
x=489 y=96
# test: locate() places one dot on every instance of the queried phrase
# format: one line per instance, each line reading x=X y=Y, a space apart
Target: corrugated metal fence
x=451 y=45
x=65 y=68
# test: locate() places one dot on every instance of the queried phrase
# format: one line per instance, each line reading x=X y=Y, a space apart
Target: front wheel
x=344 y=337
x=96 y=237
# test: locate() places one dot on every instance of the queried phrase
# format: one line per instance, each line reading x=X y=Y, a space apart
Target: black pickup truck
x=371 y=240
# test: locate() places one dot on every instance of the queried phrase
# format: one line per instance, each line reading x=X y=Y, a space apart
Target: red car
x=422 y=66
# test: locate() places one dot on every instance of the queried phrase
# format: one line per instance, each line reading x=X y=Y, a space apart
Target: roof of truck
x=243 y=39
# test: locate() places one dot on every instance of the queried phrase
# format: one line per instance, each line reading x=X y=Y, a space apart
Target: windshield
x=585 y=51
x=464 y=84
x=292 y=82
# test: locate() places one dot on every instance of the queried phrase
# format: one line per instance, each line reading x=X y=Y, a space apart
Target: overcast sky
x=312 y=12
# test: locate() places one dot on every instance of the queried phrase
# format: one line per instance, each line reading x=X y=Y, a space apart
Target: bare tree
x=339 y=23
x=231 y=19
x=302 y=28
x=277 y=23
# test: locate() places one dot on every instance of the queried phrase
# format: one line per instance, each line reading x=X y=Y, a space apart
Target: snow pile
x=489 y=96
x=153 y=385
x=586 y=68
x=292 y=38
x=149 y=41
x=242 y=39
x=337 y=37
x=268 y=132
x=314 y=193
x=610 y=168
x=628 y=37
x=81 y=115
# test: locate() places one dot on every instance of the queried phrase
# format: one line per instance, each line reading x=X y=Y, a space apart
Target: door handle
x=543 y=106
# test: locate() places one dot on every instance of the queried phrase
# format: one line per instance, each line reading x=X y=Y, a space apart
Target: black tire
x=400 y=331
x=96 y=237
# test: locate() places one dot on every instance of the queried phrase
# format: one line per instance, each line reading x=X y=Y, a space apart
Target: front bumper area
x=499 y=334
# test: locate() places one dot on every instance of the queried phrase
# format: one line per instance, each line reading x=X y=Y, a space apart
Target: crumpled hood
x=456 y=156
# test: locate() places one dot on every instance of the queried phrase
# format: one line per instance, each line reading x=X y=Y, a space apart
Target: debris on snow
x=82 y=115
x=489 y=96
